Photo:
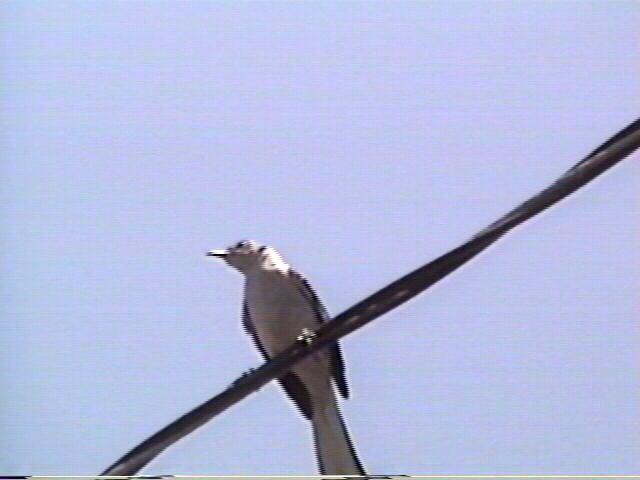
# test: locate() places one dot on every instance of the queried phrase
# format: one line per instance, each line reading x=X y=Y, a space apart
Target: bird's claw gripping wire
x=306 y=336
x=244 y=374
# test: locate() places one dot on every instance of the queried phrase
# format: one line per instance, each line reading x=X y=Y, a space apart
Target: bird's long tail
x=334 y=451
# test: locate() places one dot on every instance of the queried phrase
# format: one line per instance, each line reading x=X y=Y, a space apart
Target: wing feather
x=338 y=370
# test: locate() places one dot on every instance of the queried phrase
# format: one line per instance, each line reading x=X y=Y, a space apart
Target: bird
x=280 y=307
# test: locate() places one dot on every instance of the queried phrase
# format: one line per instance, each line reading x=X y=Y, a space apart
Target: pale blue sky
x=361 y=140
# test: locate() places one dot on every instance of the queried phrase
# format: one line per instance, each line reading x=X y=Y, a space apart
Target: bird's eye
x=262 y=248
x=241 y=244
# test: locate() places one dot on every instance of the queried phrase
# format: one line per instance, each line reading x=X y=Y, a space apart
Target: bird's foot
x=243 y=375
x=306 y=336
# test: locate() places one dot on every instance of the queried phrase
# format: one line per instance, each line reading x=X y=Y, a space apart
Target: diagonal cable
x=598 y=161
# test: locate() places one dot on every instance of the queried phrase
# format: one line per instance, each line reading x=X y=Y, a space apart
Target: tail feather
x=335 y=453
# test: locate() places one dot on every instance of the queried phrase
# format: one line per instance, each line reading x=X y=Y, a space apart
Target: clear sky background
x=361 y=140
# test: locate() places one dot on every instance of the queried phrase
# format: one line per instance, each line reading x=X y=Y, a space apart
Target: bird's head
x=248 y=255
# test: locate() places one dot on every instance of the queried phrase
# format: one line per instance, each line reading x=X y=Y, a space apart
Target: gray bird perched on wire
x=280 y=307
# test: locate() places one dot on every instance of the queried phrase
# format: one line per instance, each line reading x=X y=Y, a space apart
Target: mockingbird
x=279 y=308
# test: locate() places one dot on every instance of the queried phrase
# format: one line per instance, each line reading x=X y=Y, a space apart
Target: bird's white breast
x=279 y=312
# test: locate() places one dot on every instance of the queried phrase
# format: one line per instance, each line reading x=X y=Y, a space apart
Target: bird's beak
x=217 y=253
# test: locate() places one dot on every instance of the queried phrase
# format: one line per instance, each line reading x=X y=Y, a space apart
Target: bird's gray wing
x=290 y=382
x=338 y=371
